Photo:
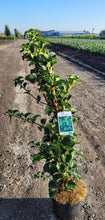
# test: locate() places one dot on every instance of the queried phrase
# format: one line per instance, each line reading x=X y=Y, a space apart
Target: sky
x=58 y=15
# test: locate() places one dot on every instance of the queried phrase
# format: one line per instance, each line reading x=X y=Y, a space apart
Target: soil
x=74 y=196
x=21 y=196
x=95 y=60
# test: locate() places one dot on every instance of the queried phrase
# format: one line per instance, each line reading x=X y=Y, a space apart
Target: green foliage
x=17 y=34
x=89 y=45
x=84 y=36
x=57 y=151
x=12 y=37
x=22 y=116
x=3 y=36
x=7 y=31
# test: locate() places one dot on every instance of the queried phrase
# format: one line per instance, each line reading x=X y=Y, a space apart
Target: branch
x=27 y=121
x=12 y=113
x=34 y=96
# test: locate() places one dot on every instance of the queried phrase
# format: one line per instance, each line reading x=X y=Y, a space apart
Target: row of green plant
x=3 y=37
x=59 y=152
x=84 y=36
x=94 y=46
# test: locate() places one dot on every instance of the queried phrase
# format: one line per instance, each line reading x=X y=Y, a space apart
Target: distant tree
x=102 y=34
x=7 y=31
x=17 y=33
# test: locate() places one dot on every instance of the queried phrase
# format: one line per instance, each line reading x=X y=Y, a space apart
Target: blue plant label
x=65 y=123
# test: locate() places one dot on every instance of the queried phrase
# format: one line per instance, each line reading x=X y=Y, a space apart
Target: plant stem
x=27 y=121
x=34 y=97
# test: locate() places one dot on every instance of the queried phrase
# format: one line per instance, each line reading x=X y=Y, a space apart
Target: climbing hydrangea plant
x=58 y=151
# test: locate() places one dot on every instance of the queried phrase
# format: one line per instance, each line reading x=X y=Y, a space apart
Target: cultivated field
x=94 y=60
x=94 y=46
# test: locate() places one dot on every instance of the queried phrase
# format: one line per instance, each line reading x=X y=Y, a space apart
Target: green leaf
x=76 y=175
x=52 y=192
x=43 y=67
x=50 y=167
x=32 y=71
x=74 y=134
x=82 y=155
x=31 y=78
x=68 y=97
x=58 y=166
x=69 y=141
x=73 y=110
x=46 y=167
x=43 y=55
x=15 y=111
x=76 y=164
x=43 y=121
x=24 y=85
x=10 y=113
x=48 y=110
x=52 y=55
x=18 y=81
x=40 y=128
x=57 y=176
x=63 y=158
x=72 y=184
x=33 y=144
x=65 y=188
x=66 y=140
x=37 y=157
x=20 y=114
x=35 y=118
x=32 y=48
x=46 y=138
x=67 y=105
x=46 y=131
x=73 y=77
x=77 y=119
x=32 y=63
x=52 y=184
x=38 y=99
x=37 y=175
x=48 y=64
x=25 y=115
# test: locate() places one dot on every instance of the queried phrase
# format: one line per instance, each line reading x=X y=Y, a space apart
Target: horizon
x=61 y=32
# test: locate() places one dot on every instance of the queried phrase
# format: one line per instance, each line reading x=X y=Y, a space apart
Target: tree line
x=7 y=33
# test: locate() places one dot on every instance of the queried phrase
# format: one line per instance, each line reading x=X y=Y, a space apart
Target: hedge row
x=7 y=37
x=86 y=36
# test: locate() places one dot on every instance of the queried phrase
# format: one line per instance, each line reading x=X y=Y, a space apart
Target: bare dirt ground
x=21 y=196
x=95 y=60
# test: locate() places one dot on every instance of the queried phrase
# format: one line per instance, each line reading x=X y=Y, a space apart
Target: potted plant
x=57 y=149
